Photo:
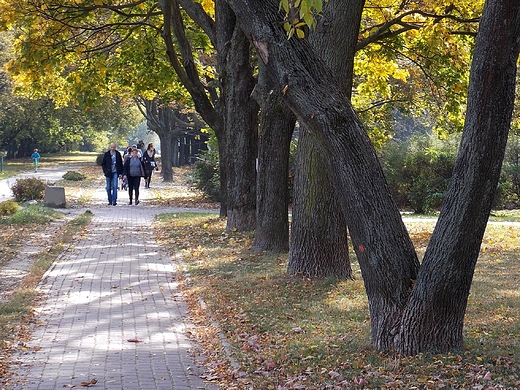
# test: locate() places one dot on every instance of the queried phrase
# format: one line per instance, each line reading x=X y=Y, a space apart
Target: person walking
x=149 y=164
x=36 y=159
x=139 y=151
x=133 y=170
x=126 y=156
x=112 y=166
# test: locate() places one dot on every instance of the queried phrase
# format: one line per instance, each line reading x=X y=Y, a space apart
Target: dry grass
x=292 y=333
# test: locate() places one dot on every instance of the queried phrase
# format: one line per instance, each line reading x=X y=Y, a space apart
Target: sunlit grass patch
x=70 y=157
x=14 y=167
x=294 y=333
x=505 y=215
x=31 y=214
x=81 y=191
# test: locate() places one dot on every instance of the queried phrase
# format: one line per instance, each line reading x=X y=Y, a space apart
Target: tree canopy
x=78 y=52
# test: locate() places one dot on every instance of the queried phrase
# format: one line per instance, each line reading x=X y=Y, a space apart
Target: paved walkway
x=111 y=312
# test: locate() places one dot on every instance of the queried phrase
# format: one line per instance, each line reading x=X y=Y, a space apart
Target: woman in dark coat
x=149 y=164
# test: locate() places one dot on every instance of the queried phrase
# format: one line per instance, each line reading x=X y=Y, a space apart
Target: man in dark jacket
x=112 y=168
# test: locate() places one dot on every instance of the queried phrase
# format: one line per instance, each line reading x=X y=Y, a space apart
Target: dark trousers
x=148 y=177
x=133 y=186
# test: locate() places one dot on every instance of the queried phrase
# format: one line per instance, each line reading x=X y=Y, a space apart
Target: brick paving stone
x=114 y=285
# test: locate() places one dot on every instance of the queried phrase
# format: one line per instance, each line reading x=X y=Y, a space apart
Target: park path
x=111 y=311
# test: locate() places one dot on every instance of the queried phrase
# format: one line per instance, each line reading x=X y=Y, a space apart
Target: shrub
x=8 y=207
x=74 y=176
x=28 y=189
x=207 y=175
x=508 y=192
x=419 y=170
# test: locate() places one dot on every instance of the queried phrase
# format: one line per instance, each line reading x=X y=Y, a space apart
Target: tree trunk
x=166 y=154
x=241 y=127
x=385 y=252
x=157 y=120
x=434 y=318
x=223 y=164
x=175 y=152
x=272 y=188
x=318 y=230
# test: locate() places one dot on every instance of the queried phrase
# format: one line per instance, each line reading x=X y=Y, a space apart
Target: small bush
x=207 y=175
x=28 y=189
x=8 y=207
x=418 y=171
x=74 y=176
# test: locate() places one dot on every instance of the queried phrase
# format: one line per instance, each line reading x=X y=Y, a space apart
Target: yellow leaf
x=401 y=74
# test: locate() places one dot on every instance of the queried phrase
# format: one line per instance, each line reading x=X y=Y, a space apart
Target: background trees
x=29 y=123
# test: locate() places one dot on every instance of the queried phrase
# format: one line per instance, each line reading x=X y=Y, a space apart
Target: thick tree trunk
x=318 y=230
x=241 y=126
x=272 y=183
x=385 y=252
x=433 y=320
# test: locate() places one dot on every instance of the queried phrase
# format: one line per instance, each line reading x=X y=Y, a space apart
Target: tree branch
x=199 y=16
x=384 y=30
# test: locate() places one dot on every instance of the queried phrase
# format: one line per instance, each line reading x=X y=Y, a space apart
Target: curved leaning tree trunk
x=319 y=245
x=433 y=319
x=384 y=250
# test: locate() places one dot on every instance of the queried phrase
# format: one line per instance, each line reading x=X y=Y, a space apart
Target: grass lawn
x=15 y=166
x=286 y=332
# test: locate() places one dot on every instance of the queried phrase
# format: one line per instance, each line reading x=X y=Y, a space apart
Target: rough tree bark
x=241 y=121
x=434 y=317
x=318 y=246
x=272 y=187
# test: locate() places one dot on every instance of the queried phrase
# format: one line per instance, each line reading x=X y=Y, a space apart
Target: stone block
x=54 y=197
